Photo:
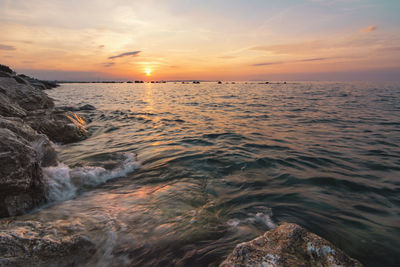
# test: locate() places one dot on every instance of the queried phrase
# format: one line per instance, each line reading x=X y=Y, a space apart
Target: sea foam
x=64 y=182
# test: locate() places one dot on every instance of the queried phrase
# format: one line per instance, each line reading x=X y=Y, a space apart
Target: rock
x=59 y=126
x=288 y=245
x=46 y=151
x=20 y=80
x=27 y=96
x=5 y=74
x=9 y=108
x=82 y=108
x=21 y=181
x=6 y=69
x=87 y=107
x=19 y=128
x=43 y=85
x=29 y=243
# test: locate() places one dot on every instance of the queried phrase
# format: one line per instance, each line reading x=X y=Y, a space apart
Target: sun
x=148 y=72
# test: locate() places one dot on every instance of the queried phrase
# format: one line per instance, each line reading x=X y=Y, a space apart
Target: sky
x=202 y=39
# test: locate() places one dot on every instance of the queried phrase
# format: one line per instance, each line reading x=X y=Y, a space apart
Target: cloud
x=134 y=54
x=6 y=47
x=370 y=28
x=291 y=61
x=108 y=64
x=101 y=46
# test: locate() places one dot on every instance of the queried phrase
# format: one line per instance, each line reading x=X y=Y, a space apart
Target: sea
x=178 y=174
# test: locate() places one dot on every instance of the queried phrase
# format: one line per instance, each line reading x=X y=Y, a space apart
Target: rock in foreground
x=288 y=245
x=31 y=243
x=28 y=124
x=21 y=182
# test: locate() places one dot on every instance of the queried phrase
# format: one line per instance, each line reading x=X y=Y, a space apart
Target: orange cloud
x=370 y=28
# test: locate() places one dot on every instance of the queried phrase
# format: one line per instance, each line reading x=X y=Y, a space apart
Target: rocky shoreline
x=29 y=124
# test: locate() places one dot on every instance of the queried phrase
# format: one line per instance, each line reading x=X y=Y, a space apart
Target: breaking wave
x=64 y=182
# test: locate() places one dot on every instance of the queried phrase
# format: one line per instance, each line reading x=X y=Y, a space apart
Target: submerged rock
x=288 y=245
x=29 y=243
x=81 y=108
x=21 y=181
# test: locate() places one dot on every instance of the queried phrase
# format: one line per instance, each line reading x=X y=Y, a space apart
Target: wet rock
x=21 y=181
x=288 y=245
x=46 y=151
x=25 y=95
x=82 y=108
x=87 y=107
x=59 y=126
x=29 y=243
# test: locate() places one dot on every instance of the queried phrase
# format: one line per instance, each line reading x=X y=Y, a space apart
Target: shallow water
x=221 y=164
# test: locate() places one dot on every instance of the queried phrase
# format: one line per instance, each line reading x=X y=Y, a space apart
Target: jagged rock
x=288 y=245
x=59 y=126
x=29 y=243
x=21 y=181
x=27 y=96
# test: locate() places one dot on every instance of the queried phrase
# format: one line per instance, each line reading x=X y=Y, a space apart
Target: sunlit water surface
x=222 y=163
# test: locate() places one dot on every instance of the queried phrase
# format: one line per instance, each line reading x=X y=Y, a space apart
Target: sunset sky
x=207 y=39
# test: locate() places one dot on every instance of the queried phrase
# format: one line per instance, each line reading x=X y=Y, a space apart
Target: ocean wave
x=64 y=182
x=258 y=218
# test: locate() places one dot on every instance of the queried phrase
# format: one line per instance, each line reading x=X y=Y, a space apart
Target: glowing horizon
x=207 y=40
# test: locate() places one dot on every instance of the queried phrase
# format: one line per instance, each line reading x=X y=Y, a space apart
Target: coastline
x=29 y=123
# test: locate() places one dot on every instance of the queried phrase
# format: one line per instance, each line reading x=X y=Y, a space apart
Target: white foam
x=258 y=218
x=64 y=182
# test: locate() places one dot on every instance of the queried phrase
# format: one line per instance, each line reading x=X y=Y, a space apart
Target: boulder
x=39 y=142
x=31 y=243
x=60 y=126
x=288 y=245
x=21 y=181
x=27 y=96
